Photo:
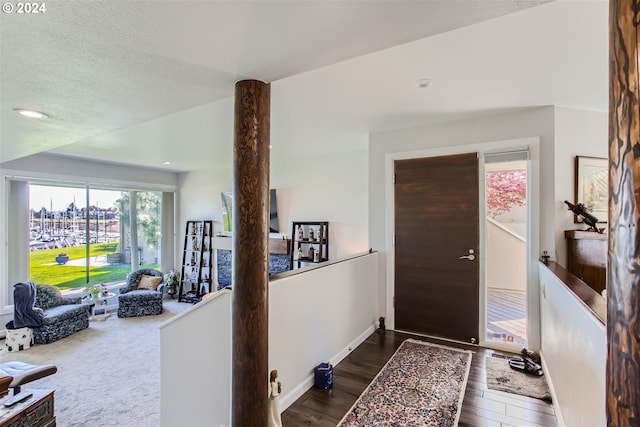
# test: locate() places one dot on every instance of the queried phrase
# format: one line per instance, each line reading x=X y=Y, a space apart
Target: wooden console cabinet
x=36 y=411
x=587 y=257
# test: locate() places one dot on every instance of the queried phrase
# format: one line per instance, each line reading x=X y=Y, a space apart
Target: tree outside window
x=505 y=190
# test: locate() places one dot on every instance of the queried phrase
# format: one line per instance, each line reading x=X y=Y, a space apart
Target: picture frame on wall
x=592 y=187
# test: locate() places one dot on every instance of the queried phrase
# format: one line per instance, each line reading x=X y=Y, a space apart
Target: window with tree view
x=79 y=235
x=506 y=252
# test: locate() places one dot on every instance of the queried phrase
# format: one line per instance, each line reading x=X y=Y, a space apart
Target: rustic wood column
x=623 y=306
x=250 y=252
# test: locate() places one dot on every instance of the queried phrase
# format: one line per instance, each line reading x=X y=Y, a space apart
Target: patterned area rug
x=421 y=385
x=502 y=378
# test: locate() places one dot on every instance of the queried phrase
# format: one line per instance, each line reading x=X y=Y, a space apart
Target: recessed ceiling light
x=31 y=113
x=424 y=83
x=167 y=163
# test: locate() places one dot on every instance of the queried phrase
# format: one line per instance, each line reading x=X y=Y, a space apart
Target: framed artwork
x=592 y=186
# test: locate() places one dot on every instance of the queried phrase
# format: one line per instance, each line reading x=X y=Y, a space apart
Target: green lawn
x=44 y=269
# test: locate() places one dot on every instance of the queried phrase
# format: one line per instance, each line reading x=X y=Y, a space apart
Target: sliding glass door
x=82 y=234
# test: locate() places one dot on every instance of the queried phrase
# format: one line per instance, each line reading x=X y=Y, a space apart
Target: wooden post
x=623 y=305
x=250 y=252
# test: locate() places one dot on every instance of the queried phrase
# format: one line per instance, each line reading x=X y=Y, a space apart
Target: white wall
x=79 y=171
x=577 y=133
x=315 y=316
x=195 y=365
x=319 y=187
x=320 y=316
x=326 y=187
x=574 y=354
x=506 y=259
x=199 y=199
x=16 y=256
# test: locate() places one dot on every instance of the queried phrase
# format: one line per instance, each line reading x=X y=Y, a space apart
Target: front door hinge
x=394 y=178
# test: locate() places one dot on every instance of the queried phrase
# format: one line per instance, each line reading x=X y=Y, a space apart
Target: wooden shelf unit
x=197 y=259
x=309 y=243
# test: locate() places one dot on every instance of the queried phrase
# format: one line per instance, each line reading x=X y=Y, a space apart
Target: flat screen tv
x=227 y=210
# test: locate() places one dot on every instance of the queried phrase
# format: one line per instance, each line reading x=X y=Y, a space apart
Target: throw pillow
x=149 y=282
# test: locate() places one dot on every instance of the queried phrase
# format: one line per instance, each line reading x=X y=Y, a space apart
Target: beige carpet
x=501 y=377
x=108 y=374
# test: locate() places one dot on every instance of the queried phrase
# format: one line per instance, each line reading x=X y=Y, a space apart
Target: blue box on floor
x=323 y=376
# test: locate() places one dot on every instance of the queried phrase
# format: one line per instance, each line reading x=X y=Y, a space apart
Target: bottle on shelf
x=311 y=243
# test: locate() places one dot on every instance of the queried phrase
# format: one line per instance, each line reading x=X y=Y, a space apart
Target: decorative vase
x=62 y=259
x=171 y=290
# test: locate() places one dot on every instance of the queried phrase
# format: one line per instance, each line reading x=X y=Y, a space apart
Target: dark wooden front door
x=436 y=223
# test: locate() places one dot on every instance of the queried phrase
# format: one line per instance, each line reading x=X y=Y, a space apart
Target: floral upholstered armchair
x=50 y=315
x=142 y=295
x=63 y=316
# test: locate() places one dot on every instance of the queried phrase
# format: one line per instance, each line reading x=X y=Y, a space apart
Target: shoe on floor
x=527 y=366
x=533 y=355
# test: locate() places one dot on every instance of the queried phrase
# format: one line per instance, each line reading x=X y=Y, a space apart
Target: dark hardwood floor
x=481 y=406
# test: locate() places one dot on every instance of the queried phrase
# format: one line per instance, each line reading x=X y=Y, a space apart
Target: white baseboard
x=554 y=397
x=352 y=345
x=297 y=391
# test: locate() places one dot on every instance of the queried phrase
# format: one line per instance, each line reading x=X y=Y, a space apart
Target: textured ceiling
x=121 y=79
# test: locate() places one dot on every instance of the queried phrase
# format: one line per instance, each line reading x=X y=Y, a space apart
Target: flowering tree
x=505 y=190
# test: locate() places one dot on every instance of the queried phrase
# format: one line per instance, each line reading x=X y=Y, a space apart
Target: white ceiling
x=147 y=81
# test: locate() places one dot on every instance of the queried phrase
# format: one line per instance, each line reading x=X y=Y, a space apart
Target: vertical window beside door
x=506 y=251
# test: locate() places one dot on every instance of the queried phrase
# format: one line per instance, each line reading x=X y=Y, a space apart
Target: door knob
x=471 y=255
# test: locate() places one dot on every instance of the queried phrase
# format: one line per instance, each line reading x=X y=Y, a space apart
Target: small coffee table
x=100 y=303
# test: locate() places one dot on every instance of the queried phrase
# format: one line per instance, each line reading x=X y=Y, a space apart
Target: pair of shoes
x=526 y=365
x=531 y=355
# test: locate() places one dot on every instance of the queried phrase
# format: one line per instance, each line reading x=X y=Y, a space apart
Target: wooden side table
x=36 y=411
